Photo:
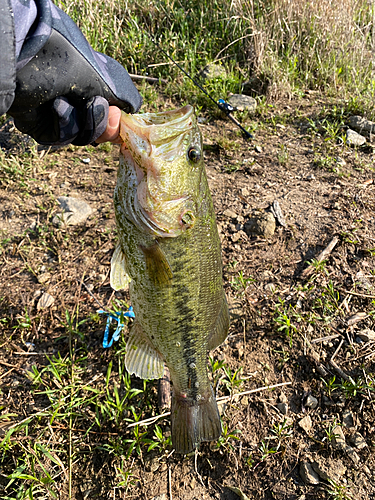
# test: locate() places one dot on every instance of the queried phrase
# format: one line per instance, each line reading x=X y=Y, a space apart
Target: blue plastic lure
x=117 y=317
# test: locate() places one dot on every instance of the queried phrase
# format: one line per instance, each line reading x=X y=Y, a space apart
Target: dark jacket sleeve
x=7 y=57
x=63 y=87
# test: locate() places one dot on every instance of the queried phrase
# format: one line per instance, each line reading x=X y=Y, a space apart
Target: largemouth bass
x=169 y=253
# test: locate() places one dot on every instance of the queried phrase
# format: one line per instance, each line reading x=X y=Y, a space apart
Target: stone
x=283 y=408
x=308 y=474
x=354 y=139
x=263 y=225
x=258 y=149
x=338 y=440
x=361 y=124
x=366 y=335
x=230 y=214
x=242 y=102
x=329 y=468
x=46 y=300
x=306 y=424
x=311 y=402
x=358 y=441
x=352 y=454
x=283 y=398
x=348 y=419
x=212 y=71
x=75 y=211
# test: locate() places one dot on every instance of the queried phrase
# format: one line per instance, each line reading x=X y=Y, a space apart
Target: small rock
x=242 y=102
x=354 y=139
x=283 y=398
x=352 y=454
x=86 y=160
x=75 y=211
x=340 y=161
x=230 y=214
x=348 y=419
x=44 y=278
x=338 y=440
x=245 y=191
x=212 y=71
x=152 y=465
x=306 y=424
x=263 y=225
x=258 y=149
x=361 y=124
x=311 y=402
x=366 y=335
x=46 y=300
x=283 y=408
x=358 y=441
x=329 y=468
x=308 y=474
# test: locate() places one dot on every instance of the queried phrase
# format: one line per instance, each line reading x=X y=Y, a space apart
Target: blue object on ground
x=117 y=317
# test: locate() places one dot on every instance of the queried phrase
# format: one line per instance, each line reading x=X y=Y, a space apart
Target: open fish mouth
x=156 y=134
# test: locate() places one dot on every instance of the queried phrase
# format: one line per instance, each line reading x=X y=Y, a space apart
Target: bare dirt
x=293 y=160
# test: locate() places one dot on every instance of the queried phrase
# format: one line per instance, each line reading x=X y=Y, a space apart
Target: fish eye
x=194 y=154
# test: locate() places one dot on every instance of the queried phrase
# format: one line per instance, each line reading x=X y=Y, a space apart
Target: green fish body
x=169 y=253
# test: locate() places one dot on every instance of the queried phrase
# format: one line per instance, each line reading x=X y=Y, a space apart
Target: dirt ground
x=286 y=323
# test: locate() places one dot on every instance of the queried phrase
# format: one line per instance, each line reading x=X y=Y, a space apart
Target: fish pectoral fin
x=118 y=277
x=141 y=357
x=157 y=265
x=221 y=327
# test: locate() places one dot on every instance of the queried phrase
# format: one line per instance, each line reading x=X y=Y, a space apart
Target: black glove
x=63 y=93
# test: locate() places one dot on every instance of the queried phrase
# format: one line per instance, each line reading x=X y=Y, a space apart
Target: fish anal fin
x=157 y=265
x=118 y=277
x=220 y=331
x=194 y=422
x=141 y=357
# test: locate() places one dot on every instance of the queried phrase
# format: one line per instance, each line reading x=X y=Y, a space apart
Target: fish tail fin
x=194 y=422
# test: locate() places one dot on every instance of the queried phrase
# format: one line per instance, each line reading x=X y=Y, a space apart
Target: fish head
x=163 y=153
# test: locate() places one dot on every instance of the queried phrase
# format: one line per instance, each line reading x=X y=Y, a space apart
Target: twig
x=337 y=350
x=322 y=256
x=151 y=420
x=339 y=371
x=323 y=339
x=357 y=294
x=148 y=79
x=91 y=294
x=164 y=390
x=170 y=483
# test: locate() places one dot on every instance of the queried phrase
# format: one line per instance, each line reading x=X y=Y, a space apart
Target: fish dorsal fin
x=118 y=278
x=222 y=326
x=141 y=357
x=157 y=265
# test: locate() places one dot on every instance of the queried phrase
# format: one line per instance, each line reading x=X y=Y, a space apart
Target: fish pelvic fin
x=141 y=357
x=157 y=265
x=194 y=422
x=118 y=277
x=220 y=331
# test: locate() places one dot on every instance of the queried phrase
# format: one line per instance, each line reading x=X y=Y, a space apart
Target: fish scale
x=170 y=253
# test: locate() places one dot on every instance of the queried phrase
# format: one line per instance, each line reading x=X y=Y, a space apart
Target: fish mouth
x=149 y=133
x=151 y=143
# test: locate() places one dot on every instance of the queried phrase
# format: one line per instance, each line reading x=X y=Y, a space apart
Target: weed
x=225 y=441
x=283 y=155
x=338 y=491
x=239 y=283
x=330 y=386
x=284 y=315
